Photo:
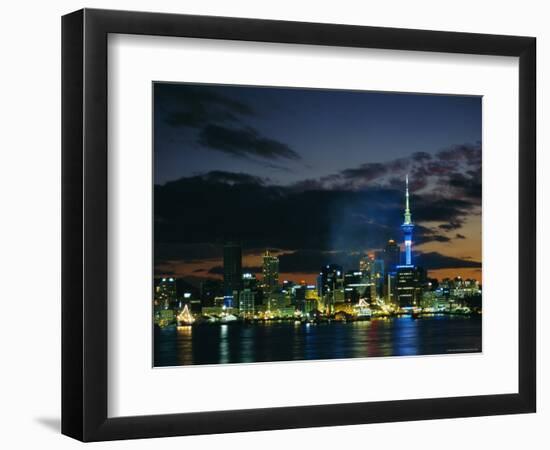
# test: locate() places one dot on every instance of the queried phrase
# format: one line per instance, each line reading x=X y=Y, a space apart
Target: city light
x=387 y=284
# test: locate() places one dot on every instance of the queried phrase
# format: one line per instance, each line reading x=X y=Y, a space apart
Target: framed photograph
x=273 y=224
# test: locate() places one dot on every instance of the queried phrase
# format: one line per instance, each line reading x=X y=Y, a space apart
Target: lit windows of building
x=270 y=272
x=246 y=303
x=332 y=286
x=408 y=286
x=165 y=293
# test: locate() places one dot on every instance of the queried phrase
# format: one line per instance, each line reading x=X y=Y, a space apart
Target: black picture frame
x=84 y=224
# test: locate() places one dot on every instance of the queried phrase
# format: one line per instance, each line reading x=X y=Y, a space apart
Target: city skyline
x=311 y=224
x=295 y=153
x=386 y=284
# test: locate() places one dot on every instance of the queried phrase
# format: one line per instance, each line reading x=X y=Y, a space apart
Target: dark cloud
x=219 y=206
x=469 y=153
x=367 y=171
x=244 y=142
x=322 y=226
x=174 y=250
x=455 y=172
x=217 y=121
x=435 y=260
x=460 y=236
x=313 y=260
x=433 y=208
x=468 y=185
x=451 y=225
x=197 y=106
x=421 y=156
x=219 y=176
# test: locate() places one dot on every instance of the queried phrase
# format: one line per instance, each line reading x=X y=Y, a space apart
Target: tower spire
x=407 y=209
x=407 y=226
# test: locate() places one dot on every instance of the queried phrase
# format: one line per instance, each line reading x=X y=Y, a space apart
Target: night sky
x=315 y=175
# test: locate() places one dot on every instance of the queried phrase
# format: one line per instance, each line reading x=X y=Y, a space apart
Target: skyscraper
x=270 y=269
x=332 y=278
x=332 y=283
x=246 y=303
x=392 y=256
x=408 y=286
x=407 y=226
x=165 y=294
x=232 y=271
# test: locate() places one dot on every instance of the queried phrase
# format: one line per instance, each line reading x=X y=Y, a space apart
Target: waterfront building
x=270 y=271
x=214 y=311
x=332 y=285
x=319 y=284
x=343 y=307
x=218 y=301
x=377 y=278
x=246 y=302
x=356 y=286
x=305 y=297
x=286 y=312
x=332 y=278
x=232 y=272
x=276 y=300
x=389 y=289
x=408 y=289
x=165 y=294
x=194 y=305
x=309 y=305
x=311 y=292
x=165 y=317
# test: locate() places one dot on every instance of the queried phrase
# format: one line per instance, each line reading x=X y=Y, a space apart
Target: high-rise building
x=165 y=294
x=407 y=226
x=232 y=271
x=389 y=288
x=246 y=303
x=332 y=278
x=355 y=287
x=332 y=285
x=408 y=286
x=270 y=270
x=392 y=256
x=377 y=278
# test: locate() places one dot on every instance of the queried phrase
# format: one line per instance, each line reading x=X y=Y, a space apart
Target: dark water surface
x=288 y=341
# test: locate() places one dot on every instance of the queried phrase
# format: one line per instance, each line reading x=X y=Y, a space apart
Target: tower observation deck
x=407 y=226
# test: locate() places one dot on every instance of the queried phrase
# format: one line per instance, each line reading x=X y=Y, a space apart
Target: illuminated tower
x=407 y=226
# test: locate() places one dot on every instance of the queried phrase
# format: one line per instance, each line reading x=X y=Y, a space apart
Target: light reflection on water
x=224 y=345
x=288 y=341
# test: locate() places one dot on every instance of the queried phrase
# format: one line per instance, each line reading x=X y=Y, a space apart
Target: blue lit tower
x=407 y=226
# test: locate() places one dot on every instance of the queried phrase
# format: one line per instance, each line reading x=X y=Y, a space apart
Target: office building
x=232 y=272
x=270 y=272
